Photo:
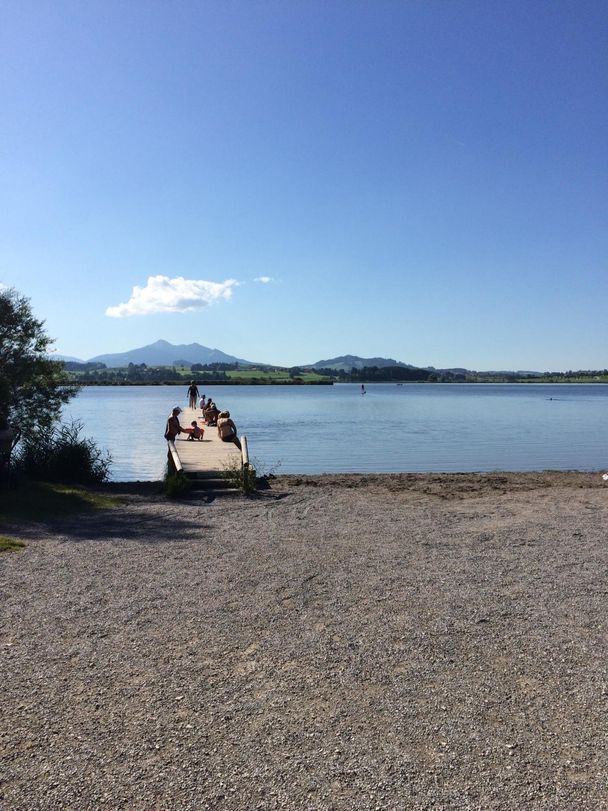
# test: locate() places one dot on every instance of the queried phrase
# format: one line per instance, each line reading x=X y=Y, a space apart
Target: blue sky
x=289 y=181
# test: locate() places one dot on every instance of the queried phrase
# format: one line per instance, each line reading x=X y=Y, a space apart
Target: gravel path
x=388 y=642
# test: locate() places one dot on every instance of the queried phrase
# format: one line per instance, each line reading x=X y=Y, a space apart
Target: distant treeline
x=219 y=373
x=385 y=374
x=390 y=374
x=133 y=373
x=235 y=374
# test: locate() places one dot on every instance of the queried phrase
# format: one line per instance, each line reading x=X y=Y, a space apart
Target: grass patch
x=10 y=544
x=39 y=501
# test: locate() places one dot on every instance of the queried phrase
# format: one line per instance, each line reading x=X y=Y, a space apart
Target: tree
x=33 y=387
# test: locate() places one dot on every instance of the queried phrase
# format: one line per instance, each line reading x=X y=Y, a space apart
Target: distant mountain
x=66 y=358
x=348 y=362
x=162 y=353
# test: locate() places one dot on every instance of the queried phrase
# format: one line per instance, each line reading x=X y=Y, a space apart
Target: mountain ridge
x=347 y=362
x=163 y=353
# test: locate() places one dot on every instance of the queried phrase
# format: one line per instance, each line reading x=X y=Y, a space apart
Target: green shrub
x=176 y=484
x=239 y=477
x=62 y=455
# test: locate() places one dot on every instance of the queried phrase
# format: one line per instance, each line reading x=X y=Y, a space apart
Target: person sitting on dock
x=211 y=413
x=173 y=427
x=196 y=432
x=227 y=429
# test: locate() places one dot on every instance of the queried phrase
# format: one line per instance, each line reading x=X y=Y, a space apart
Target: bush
x=176 y=484
x=62 y=455
x=239 y=477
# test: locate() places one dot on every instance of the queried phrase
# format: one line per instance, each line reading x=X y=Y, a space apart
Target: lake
x=390 y=429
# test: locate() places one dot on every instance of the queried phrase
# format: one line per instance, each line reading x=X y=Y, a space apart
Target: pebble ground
x=333 y=643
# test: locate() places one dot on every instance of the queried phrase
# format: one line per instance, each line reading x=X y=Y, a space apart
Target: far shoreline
x=140 y=383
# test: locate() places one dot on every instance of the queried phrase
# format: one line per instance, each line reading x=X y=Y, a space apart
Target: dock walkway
x=208 y=457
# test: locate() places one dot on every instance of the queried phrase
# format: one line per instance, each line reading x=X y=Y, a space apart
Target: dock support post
x=173 y=457
x=244 y=451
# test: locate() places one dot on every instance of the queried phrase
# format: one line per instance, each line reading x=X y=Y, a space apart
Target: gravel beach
x=334 y=642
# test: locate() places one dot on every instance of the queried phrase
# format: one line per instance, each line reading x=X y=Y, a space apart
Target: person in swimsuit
x=173 y=427
x=227 y=429
x=192 y=394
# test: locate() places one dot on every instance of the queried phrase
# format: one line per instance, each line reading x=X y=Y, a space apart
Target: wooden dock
x=206 y=459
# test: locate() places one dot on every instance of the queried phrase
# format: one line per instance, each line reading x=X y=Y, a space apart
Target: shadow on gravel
x=148 y=489
x=131 y=513
x=155 y=526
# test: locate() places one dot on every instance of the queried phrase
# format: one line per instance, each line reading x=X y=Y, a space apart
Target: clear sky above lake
x=294 y=180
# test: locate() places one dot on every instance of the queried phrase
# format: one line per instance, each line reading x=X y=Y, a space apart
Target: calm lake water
x=334 y=429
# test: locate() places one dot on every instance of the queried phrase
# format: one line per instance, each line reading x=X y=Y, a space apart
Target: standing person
x=192 y=394
x=227 y=429
x=202 y=402
x=173 y=427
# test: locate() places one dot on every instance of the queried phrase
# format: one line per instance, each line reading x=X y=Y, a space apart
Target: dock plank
x=210 y=455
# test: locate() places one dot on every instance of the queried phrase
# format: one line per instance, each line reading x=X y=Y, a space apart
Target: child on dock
x=196 y=432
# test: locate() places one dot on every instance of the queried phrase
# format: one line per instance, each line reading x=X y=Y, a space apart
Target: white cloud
x=164 y=295
x=263 y=279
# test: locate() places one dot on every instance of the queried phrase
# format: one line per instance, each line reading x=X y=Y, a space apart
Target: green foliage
x=33 y=387
x=225 y=374
x=40 y=501
x=176 y=484
x=10 y=544
x=133 y=374
x=62 y=455
x=239 y=477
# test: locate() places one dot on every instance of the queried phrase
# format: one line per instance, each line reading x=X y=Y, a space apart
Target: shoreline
x=253 y=382
x=440 y=484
